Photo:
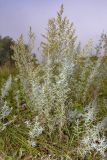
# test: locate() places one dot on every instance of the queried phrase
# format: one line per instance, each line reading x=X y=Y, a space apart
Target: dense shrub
x=56 y=110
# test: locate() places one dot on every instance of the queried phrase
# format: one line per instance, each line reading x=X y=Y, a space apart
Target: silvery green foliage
x=49 y=100
x=83 y=68
x=62 y=87
x=87 y=50
x=88 y=131
x=5 y=110
x=48 y=93
x=94 y=138
x=90 y=112
x=94 y=72
x=24 y=62
x=101 y=48
x=52 y=94
x=35 y=129
x=73 y=115
x=60 y=38
x=55 y=93
x=6 y=87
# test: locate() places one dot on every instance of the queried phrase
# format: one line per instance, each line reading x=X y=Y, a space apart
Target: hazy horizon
x=88 y=16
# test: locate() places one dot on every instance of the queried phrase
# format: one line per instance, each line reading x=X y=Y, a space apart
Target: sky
x=89 y=17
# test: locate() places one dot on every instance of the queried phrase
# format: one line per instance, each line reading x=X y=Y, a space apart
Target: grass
x=5 y=71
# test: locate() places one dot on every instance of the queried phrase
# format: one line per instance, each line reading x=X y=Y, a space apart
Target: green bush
x=58 y=109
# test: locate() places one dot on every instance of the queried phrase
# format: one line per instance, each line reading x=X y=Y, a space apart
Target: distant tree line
x=6 y=51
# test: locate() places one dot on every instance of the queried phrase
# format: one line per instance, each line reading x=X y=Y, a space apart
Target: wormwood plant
x=60 y=38
x=63 y=95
